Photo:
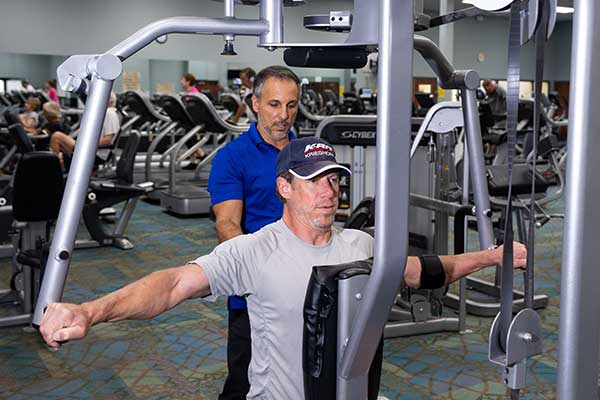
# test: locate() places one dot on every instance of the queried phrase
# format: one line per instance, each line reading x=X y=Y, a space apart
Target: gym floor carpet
x=181 y=354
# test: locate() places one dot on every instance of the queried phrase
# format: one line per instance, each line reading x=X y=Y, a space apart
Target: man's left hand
x=519 y=255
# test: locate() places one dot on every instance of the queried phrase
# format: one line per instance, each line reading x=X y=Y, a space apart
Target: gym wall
x=37 y=35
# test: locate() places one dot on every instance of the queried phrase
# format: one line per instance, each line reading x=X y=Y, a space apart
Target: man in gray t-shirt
x=270 y=267
x=495 y=97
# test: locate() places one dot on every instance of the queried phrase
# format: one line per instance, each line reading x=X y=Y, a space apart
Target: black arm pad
x=433 y=275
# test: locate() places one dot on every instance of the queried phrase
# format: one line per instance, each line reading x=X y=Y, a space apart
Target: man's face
x=490 y=88
x=276 y=108
x=314 y=201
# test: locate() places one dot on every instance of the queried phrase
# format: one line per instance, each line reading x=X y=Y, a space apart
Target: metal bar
x=477 y=169
x=215 y=26
x=148 y=175
x=358 y=176
x=229 y=8
x=350 y=294
x=399 y=328
x=271 y=11
x=126 y=214
x=430 y=203
x=435 y=58
x=393 y=163
x=462 y=286
x=74 y=196
x=580 y=309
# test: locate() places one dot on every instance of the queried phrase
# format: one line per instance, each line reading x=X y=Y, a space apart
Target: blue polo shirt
x=245 y=169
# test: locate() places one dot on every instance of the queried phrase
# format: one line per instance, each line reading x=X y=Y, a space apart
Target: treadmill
x=188 y=197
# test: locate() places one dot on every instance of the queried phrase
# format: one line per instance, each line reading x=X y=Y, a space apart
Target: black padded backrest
x=139 y=106
x=37 y=187
x=363 y=215
x=319 y=340
x=198 y=108
x=353 y=105
x=11 y=117
x=175 y=109
x=230 y=103
x=127 y=160
x=4 y=101
x=521 y=180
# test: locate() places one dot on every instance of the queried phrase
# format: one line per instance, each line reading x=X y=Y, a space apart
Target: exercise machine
x=387 y=26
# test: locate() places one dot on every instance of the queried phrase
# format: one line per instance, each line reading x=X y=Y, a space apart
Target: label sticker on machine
x=344 y=195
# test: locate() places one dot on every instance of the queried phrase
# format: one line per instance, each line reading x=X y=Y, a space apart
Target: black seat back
x=126 y=162
x=175 y=109
x=319 y=340
x=139 y=106
x=11 y=117
x=229 y=102
x=37 y=187
x=363 y=215
x=521 y=180
x=197 y=106
x=4 y=101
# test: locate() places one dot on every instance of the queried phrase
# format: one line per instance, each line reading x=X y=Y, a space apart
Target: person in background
x=188 y=83
x=29 y=119
x=63 y=145
x=28 y=87
x=247 y=77
x=495 y=97
x=244 y=200
x=54 y=119
x=50 y=89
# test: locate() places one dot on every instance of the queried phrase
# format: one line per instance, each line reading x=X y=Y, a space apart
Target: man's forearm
x=142 y=299
x=227 y=229
x=238 y=113
x=459 y=266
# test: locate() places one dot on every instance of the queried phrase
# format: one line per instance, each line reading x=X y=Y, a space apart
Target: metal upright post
x=477 y=170
x=75 y=193
x=358 y=176
x=393 y=163
x=579 y=336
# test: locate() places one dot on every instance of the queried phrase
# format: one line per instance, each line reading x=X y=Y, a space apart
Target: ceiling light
x=564 y=10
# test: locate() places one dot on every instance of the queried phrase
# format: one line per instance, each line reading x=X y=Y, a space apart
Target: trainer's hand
x=63 y=322
x=519 y=255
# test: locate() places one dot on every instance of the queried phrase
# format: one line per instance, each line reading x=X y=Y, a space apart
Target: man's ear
x=284 y=188
x=255 y=103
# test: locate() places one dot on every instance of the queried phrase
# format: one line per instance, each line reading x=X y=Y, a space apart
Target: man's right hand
x=63 y=322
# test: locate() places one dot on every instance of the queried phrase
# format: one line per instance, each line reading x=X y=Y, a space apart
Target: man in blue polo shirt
x=244 y=198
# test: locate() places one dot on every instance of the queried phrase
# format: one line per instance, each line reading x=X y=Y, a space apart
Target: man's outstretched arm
x=143 y=299
x=459 y=266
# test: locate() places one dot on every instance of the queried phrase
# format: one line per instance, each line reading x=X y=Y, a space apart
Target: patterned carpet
x=181 y=354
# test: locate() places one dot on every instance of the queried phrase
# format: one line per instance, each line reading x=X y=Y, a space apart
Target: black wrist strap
x=433 y=275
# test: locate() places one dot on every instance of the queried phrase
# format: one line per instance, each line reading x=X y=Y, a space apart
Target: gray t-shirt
x=272 y=268
x=497 y=101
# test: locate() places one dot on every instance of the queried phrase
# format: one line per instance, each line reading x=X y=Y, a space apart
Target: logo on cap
x=318 y=149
